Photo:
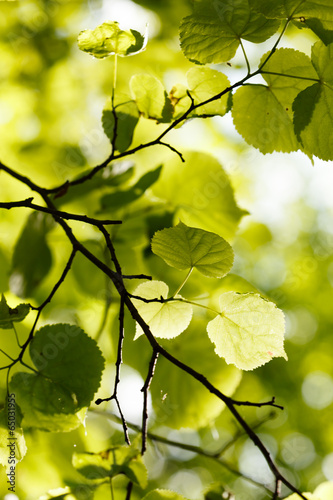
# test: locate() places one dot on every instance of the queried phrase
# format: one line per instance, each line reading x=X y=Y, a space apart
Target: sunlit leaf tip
x=108 y=39
x=249 y=330
x=9 y=315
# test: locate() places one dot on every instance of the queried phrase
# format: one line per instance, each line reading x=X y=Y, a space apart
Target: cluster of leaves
x=285 y=114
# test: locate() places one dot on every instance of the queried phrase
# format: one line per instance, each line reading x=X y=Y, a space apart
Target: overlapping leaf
x=108 y=39
x=203 y=84
x=123 y=197
x=186 y=247
x=249 y=331
x=263 y=115
x=313 y=108
x=212 y=34
x=118 y=460
x=9 y=315
x=151 y=97
x=200 y=194
x=165 y=319
x=69 y=365
x=32 y=259
x=127 y=117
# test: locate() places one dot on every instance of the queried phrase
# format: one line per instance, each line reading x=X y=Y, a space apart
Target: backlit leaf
x=9 y=315
x=249 y=331
x=12 y=442
x=167 y=319
x=186 y=247
x=203 y=84
x=212 y=34
x=127 y=114
x=263 y=115
x=108 y=39
x=313 y=108
x=151 y=97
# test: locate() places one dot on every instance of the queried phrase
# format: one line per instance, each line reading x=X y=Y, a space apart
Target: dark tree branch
x=145 y=389
x=59 y=213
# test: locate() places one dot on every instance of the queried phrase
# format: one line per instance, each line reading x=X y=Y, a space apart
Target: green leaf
x=313 y=108
x=186 y=247
x=151 y=97
x=203 y=84
x=32 y=259
x=9 y=315
x=121 y=198
x=263 y=115
x=12 y=442
x=112 y=462
x=212 y=34
x=108 y=39
x=200 y=194
x=127 y=114
x=324 y=491
x=163 y=495
x=69 y=357
x=45 y=404
x=249 y=331
x=165 y=319
x=178 y=399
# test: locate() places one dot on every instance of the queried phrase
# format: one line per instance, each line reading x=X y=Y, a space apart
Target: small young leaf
x=127 y=114
x=108 y=39
x=121 y=198
x=212 y=34
x=163 y=495
x=249 y=331
x=203 y=84
x=32 y=258
x=165 y=319
x=186 y=247
x=9 y=315
x=151 y=97
x=69 y=357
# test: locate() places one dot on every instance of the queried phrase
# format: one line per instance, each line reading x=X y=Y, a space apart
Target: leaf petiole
x=183 y=283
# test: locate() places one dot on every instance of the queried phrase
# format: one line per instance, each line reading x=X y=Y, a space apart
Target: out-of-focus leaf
x=32 y=259
x=9 y=315
x=12 y=442
x=127 y=115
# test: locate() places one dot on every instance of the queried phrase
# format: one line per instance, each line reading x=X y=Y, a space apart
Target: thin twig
x=145 y=389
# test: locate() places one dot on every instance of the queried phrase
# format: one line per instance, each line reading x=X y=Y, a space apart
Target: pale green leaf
x=212 y=34
x=69 y=357
x=12 y=442
x=186 y=247
x=313 y=108
x=324 y=491
x=178 y=399
x=9 y=315
x=32 y=259
x=163 y=495
x=205 y=199
x=45 y=404
x=263 y=115
x=165 y=319
x=203 y=84
x=127 y=114
x=151 y=97
x=309 y=496
x=249 y=331
x=108 y=39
